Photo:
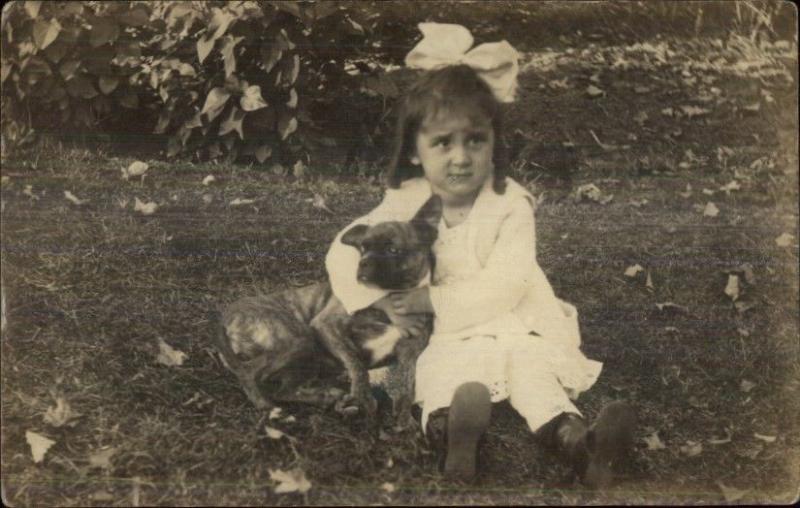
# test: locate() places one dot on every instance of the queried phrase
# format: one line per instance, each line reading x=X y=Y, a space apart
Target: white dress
x=533 y=372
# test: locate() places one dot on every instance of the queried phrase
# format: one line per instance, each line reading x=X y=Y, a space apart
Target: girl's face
x=456 y=156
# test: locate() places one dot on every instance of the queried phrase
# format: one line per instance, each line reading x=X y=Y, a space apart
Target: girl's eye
x=476 y=140
x=443 y=142
x=393 y=251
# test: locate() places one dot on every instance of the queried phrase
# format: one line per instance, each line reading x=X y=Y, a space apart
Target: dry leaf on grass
x=765 y=438
x=74 y=199
x=290 y=481
x=593 y=91
x=590 y=192
x=136 y=168
x=746 y=385
x=388 y=487
x=692 y=449
x=144 y=208
x=319 y=202
x=710 y=210
x=733 y=185
x=275 y=413
x=60 y=414
x=208 y=180
x=688 y=192
x=299 y=170
x=785 y=240
x=731 y=494
x=241 y=201
x=671 y=306
x=653 y=442
x=169 y=356
x=39 y=445
x=273 y=433
x=732 y=288
x=28 y=191
x=632 y=271
x=102 y=458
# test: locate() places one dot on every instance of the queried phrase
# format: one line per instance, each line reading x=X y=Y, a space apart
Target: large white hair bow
x=447 y=44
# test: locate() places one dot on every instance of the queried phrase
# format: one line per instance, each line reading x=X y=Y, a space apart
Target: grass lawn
x=91 y=289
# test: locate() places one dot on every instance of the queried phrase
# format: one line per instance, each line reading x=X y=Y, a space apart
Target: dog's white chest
x=383 y=345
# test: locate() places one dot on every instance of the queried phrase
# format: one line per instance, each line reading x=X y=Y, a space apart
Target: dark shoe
x=469 y=415
x=609 y=442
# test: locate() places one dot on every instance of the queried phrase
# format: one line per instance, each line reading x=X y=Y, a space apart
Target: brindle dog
x=262 y=336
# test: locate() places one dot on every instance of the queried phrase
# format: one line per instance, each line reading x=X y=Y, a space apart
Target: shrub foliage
x=217 y=79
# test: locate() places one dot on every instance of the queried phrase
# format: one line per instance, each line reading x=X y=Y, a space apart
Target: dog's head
x=397 y=255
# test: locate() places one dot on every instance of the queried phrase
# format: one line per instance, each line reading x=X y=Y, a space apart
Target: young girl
x=499 y=330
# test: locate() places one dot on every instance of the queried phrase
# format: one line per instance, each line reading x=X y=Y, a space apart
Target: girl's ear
x=354 y=235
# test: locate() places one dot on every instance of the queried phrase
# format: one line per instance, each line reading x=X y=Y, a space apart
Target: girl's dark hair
x=452 y=89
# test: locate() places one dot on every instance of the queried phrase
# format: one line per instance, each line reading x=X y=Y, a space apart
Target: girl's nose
x=459 y=156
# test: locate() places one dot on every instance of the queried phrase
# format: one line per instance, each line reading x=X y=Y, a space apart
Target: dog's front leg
x=331 y=326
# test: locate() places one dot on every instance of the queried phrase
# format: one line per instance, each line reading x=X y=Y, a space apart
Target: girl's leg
x=467 y=420
x=592 y=450
x=539 y=397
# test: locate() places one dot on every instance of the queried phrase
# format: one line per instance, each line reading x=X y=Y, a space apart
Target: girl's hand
x=415 y=301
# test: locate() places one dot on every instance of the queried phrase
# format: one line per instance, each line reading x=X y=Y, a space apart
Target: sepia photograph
x=405 y=253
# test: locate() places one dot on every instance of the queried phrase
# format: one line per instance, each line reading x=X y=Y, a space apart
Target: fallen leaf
x=671 y=306
x=275 y=413
x=593 y=91
x=208 y=198
x=289 y=419
x=136 y=168
x=667 y=112
x=103 y=496
x=692 y=449
x=732 y=288
x=653 y=442
x=641 y=117
x=241 y=201
x=766 y=439
x=102 y=458
x=60 y=414
x=720 y=441
x=746 y=385
x=273 y=433
x=731 y=494
x=390 y=463
x=39 y=445
x=299 y=169
x=688 y=192
x=209 y=179
x=784 y=240
x=692 y=111
x=709 y=192
x=388 y=487
x=756 y=106
x=123 y=202
x=144 y=208
x=319 y=202
x=730 y=186
x=744 y=332
x=649 y=282
x=74 y=199
x=169 y=356
x=290 y=481
x=28 y=191
x=591 y=192
x=631 y=271
x=638 y=203
x=558 y=84
x=742 y=307
x=710 y=210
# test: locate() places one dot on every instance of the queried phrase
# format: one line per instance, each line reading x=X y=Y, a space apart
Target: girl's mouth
x=459 y=177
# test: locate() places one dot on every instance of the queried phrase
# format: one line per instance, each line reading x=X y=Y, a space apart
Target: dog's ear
x=354 y=235
x=426 y=221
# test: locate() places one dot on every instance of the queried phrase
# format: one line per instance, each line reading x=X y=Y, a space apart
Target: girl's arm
x=500 y=285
